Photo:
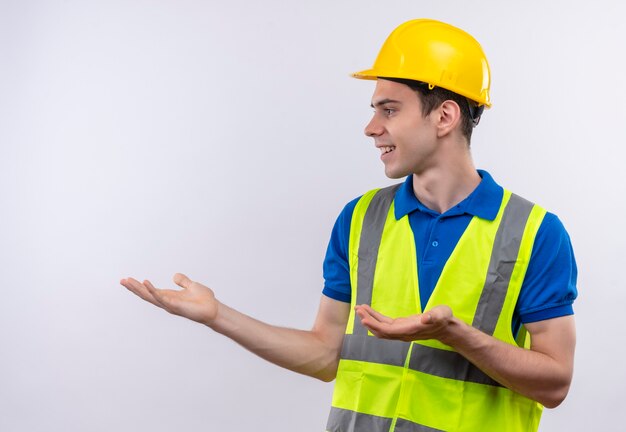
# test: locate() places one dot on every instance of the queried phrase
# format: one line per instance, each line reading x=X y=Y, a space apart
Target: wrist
x=453 y=332
x=213 y=314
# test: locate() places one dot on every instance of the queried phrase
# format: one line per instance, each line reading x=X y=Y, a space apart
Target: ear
x=449 y=117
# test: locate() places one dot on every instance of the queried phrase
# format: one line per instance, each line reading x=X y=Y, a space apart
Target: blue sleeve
x=549 y=288
x=336 y=265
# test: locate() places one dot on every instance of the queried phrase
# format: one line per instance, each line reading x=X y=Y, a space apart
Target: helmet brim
x=367 y=74
x=373 y=74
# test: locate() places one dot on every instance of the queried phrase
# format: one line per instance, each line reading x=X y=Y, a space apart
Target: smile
x=385 y=150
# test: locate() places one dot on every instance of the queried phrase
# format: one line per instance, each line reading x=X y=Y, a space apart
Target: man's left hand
x=429 y=325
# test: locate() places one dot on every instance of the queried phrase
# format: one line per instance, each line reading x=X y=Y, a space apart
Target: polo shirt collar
x=484 y=202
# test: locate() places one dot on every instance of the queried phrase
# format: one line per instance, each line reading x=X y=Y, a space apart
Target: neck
x=444 y=185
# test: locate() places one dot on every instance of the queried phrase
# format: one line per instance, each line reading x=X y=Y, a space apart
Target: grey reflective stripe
x=371 y=234
x=447 y=364
x=433 y=361
x=374 y=350
x=503 y=257
x=341 y=420
x=407 y=426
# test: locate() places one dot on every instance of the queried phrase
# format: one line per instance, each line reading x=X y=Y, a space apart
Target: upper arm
x=329 y=329
x=556 y=338
x=330 y=323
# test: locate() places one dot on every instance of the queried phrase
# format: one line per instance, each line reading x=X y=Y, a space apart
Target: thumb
x=438 y=314
x=182 y=280
x=426 y=318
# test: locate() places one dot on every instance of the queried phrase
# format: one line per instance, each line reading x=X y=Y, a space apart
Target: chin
x=393 y=174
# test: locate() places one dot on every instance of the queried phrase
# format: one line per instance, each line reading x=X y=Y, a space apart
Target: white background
x=222 y=139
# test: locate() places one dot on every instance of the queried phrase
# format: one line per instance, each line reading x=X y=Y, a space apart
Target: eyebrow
x=384 y=101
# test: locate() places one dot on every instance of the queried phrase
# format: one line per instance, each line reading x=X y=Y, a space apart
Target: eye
x=389 y=111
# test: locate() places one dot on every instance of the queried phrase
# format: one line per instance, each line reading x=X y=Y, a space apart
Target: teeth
x=384 y=150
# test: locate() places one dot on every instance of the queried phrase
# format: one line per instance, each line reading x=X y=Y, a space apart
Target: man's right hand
x=195 y=301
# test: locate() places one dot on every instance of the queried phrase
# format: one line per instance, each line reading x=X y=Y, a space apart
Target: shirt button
x=435 y=243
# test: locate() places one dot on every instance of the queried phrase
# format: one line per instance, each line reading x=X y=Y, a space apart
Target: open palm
x=194 y=301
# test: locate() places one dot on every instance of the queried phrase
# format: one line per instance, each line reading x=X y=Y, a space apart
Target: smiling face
x=407 y=140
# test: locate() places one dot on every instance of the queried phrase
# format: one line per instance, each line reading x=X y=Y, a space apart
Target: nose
x=373 y=128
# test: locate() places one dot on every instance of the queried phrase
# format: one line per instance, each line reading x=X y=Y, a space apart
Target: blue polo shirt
x=549 y=287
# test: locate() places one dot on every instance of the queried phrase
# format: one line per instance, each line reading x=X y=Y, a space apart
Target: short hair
x=432 y=98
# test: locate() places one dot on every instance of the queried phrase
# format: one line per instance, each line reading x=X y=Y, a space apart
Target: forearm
x=538 y=375
x=312 y=352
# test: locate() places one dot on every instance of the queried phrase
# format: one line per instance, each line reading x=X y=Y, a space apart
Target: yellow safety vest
x=386 y=385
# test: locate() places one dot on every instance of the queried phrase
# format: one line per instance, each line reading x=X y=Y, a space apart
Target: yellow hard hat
x=435 y=53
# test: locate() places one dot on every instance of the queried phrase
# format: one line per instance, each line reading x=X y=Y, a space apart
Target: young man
x=466 y=269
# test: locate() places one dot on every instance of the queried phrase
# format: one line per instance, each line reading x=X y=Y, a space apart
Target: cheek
x=403 y=129
x=410 y=132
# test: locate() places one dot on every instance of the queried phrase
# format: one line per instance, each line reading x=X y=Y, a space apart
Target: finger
x=159 y=296
x=377 y=315
x=371 y=323
x=382 y=330
x=170 y=300
x=135 y=286
x=139 y=290
x=364 y=314
x=182 y=281
x=378 y=324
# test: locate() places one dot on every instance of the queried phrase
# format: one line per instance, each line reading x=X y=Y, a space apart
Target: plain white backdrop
x=222 y=139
